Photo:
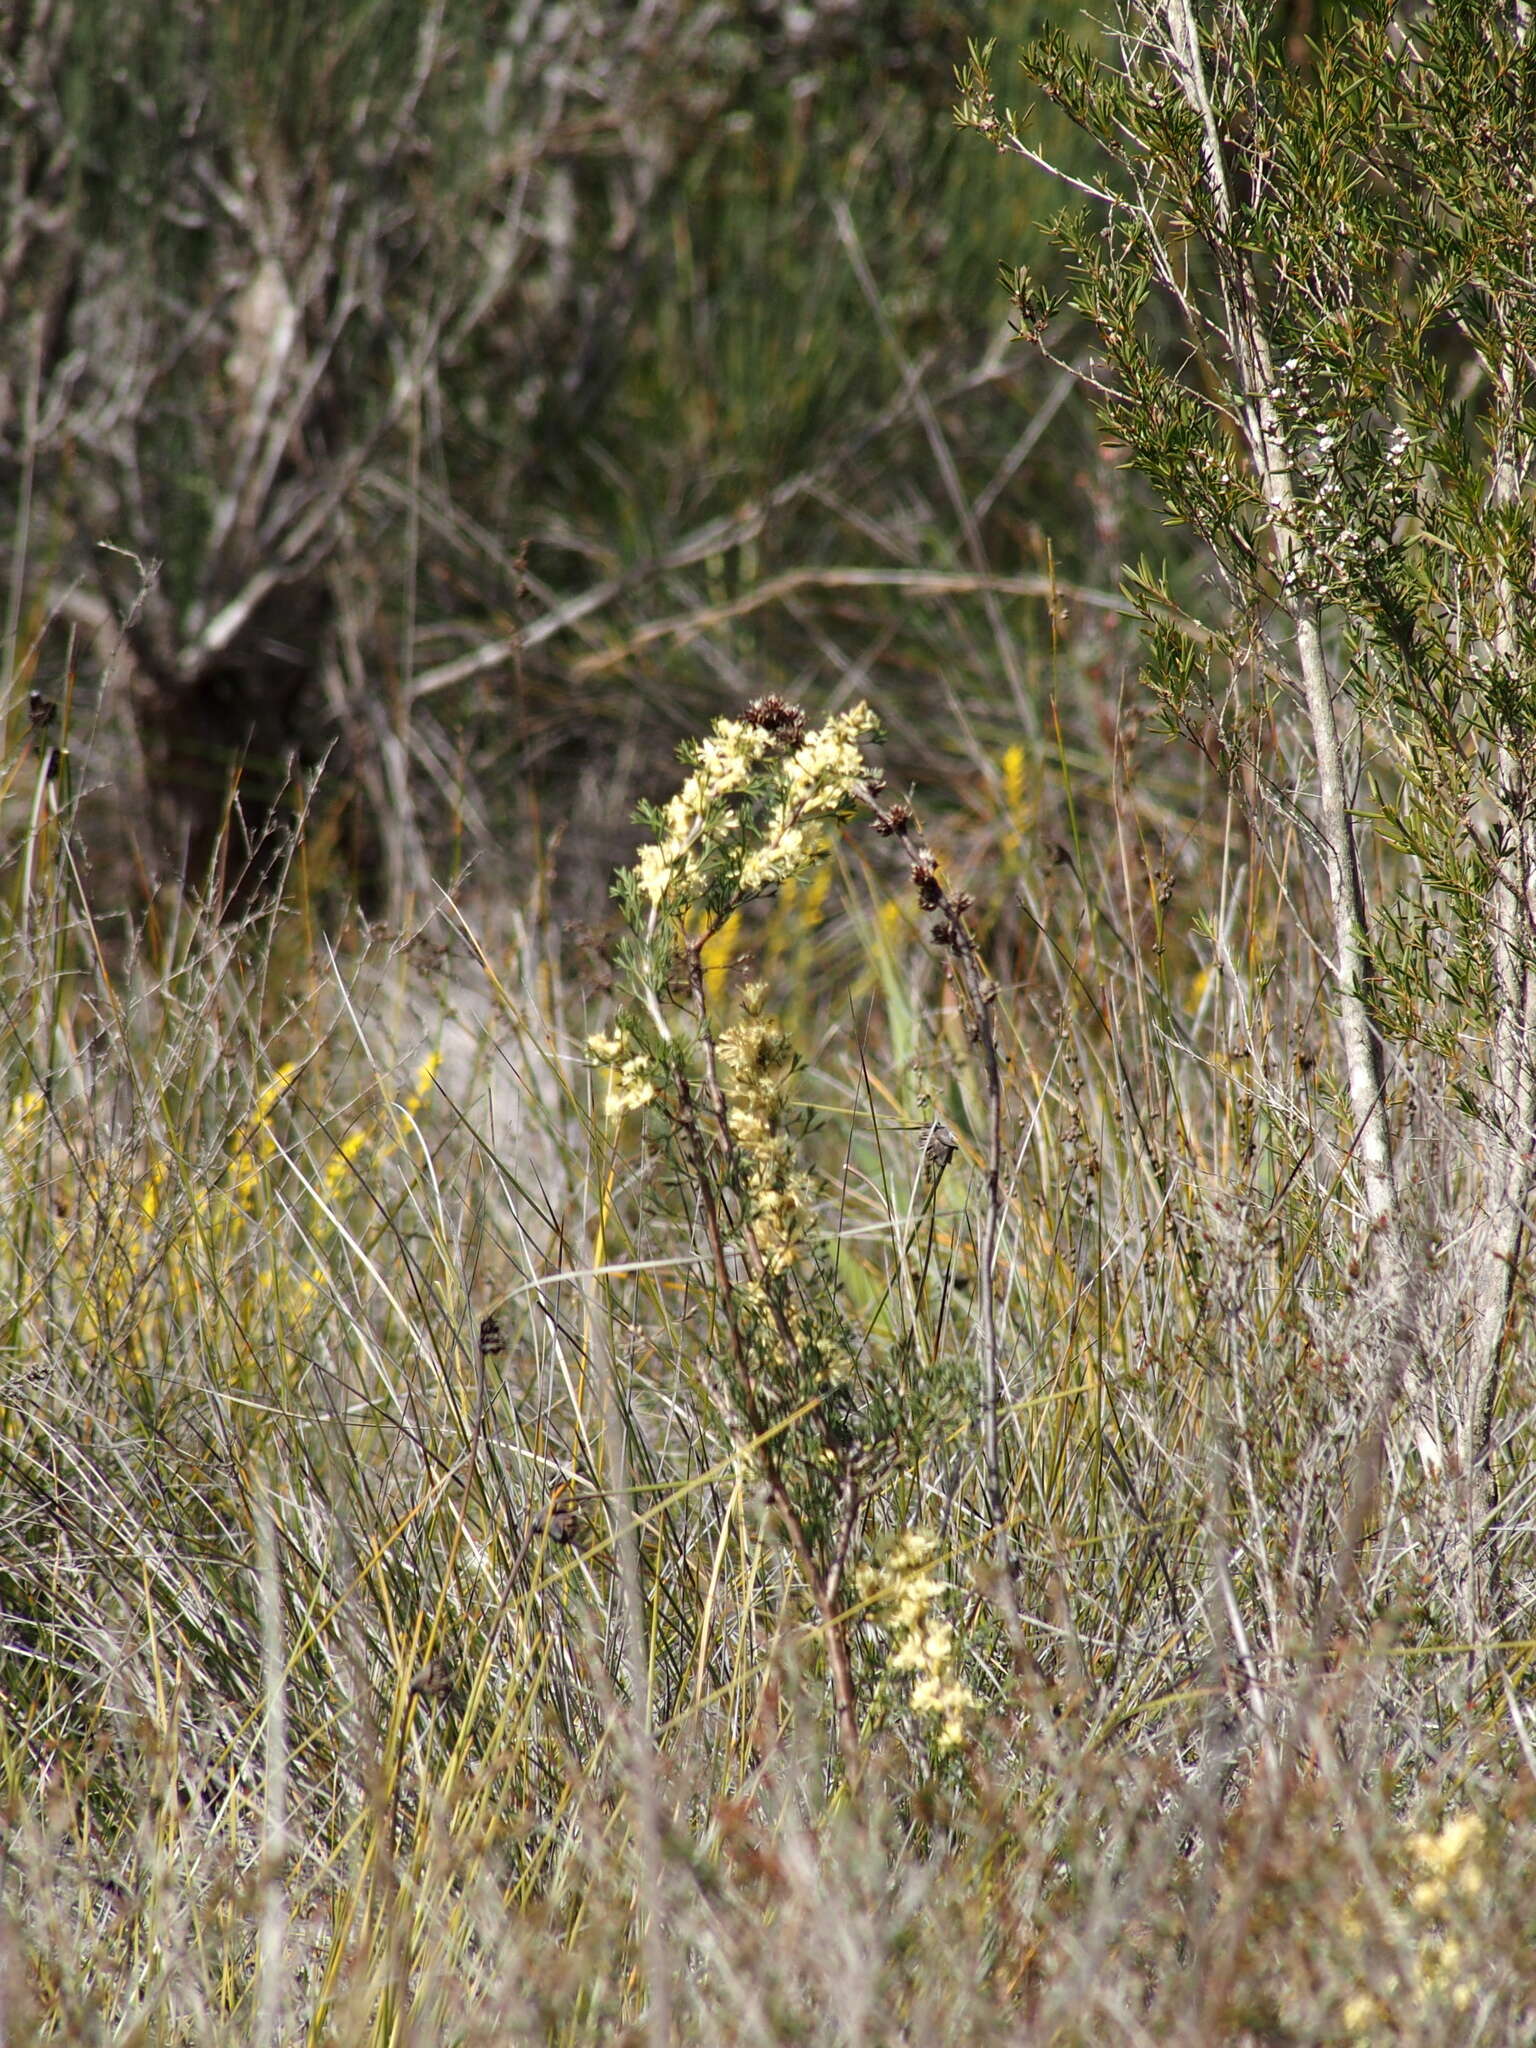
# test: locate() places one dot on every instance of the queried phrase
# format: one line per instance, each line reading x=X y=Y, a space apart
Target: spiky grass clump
x=403 y=1634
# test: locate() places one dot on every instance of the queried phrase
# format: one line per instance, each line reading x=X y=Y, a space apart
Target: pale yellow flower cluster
x=631 y=1070
x=1448 y=1875
x=758 y=1059
x=825 y=1361
x=696 y=816
x=817 y=780
x=1450 y=1862
x=810 y=785
x=905 y=1592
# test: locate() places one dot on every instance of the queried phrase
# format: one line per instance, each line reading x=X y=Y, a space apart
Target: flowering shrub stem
x=823 y=1584
x=753 y=813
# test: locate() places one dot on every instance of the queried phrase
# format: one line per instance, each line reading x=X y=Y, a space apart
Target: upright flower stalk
x=759 y=804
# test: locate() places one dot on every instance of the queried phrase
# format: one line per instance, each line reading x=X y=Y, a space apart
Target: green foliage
x=1392 y=268
x=459 y=322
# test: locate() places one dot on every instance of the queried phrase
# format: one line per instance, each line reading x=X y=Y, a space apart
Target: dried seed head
x=492 y=1342
x=786 y=722
x=939 y=1148
x=434 y=1681
x=926 y=882
x=560 y=1521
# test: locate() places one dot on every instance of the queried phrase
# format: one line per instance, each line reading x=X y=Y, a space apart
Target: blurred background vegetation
x=473 y=398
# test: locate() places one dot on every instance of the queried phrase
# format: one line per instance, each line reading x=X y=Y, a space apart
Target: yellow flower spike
x=266 y=1102
x=402 y=1110
x=426 y=1074
x=816 y=892
x=242 y=1173
x=1013 y=780
x=149 y=1193
x=718 y=951
x=342 y=1160
x=255 y=1145
x=25 y=1114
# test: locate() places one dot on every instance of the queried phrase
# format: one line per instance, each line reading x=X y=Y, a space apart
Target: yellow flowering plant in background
x=150 y=1214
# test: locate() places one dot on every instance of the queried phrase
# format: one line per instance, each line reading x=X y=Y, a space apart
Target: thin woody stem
x=952 y=930
x=1253 y=363
x=822 y=1585
x=1511 y=1174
